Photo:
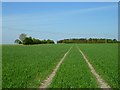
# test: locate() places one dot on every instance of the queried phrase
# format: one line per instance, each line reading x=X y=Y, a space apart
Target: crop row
x=0 y=66
x=74 y=73
x=104 y=58
x=28 y=66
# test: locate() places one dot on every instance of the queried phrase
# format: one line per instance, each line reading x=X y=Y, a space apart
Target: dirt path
x=101 y=82
x=50 y=78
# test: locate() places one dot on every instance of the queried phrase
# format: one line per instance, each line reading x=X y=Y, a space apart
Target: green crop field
x=74 y=73
x=0 y=66
x=104 y=57
x=27 y=66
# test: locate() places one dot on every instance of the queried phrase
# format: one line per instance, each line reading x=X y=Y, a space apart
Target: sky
x=59 y=20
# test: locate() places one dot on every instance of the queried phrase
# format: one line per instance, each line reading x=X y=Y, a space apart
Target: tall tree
x=28 y=41
x=17 y=41
x=22 y=37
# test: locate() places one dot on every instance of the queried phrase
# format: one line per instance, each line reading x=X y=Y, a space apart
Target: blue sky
x=57 y=21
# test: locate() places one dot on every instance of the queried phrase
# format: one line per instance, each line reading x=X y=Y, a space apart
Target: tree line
x=28 y=40
x=25 y=40
x=90 y=40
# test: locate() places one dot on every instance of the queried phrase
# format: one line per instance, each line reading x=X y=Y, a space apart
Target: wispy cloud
x=63 y=23
x=89 y=10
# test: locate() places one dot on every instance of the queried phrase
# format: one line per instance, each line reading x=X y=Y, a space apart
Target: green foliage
x=74 y=73
x=17 y=41
x=90 y=40
x=50 y=41
x=36 y=41
x=30 y=41
x=22 y=37
x=28 y=66
x=104 y=58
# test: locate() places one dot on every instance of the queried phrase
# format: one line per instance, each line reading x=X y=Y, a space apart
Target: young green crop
x=28 y=66
x=74 y=73
x=104 y=58
x=0 y=66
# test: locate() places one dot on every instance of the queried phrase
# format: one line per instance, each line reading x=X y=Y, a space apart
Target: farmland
x=104 y=57
x=74 y=73
x=28 y=66
x=0 y=66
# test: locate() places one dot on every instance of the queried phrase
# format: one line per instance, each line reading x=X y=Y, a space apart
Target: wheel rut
x=48 y=81
x=100 y=81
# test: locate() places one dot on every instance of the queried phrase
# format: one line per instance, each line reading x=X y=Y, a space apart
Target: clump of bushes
x=25 y=40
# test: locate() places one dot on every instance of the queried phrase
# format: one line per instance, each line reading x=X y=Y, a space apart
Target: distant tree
x=109 y=41
x=44 y=42
x=50 y=41
x=114 y=40
x=90 y=40
x=28 y=41
x=22 y=37
x=17 y=41
x=36 y=41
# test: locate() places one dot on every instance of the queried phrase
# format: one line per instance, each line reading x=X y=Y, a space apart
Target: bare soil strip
x=101 y=82
x=48 y=81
